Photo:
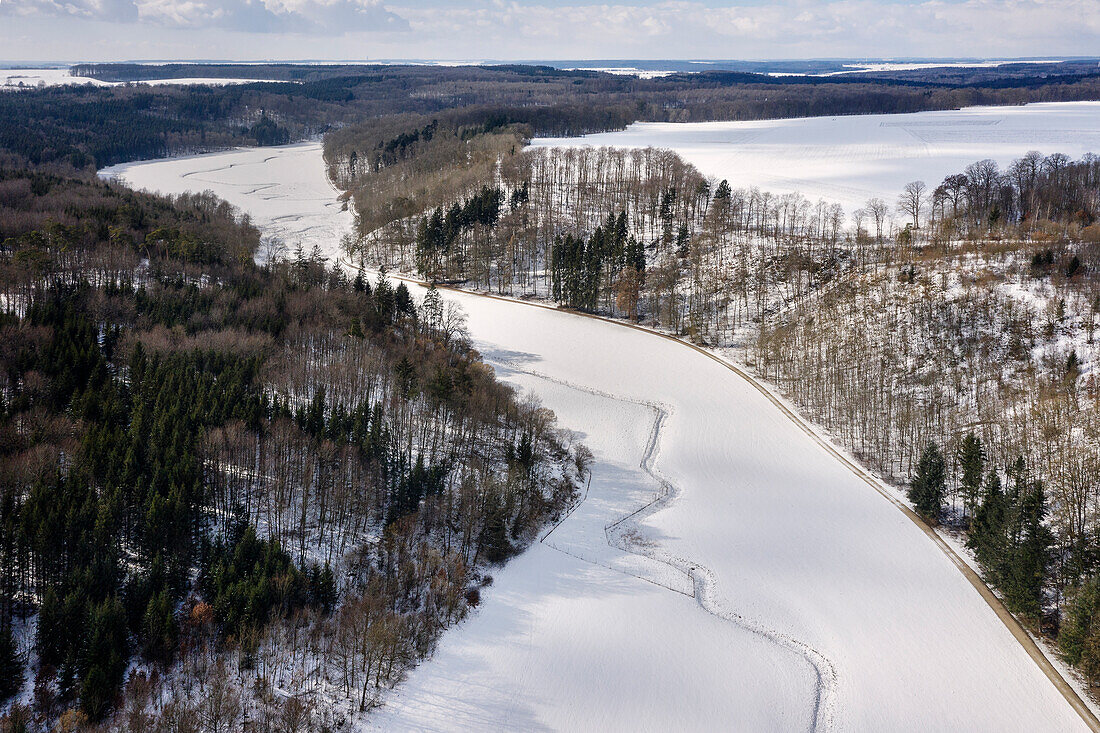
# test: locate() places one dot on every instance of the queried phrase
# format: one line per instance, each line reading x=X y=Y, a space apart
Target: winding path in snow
x=627 y=533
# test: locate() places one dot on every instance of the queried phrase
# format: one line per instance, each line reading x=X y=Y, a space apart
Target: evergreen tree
x=11 y=666
x=1029 y=550
x=322 y=585
x=51 y=625
x=971 y=458
x=432 y=310
x=315 y=415
x=987 y=529
x=494 y=536
x=105 y=655
x=403 y=301
x=159 y=630
x=1079 y=621
x=926 y=491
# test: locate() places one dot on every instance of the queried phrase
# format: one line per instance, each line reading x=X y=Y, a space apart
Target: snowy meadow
x=848 y=160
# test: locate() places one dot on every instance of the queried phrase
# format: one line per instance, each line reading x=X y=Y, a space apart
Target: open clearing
x=847 y=160
x=764 y=586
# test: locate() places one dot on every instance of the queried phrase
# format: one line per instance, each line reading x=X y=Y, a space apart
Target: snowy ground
x=285 y=190
x=848 y=160
x=867 y=68
x=15 y=78
x=813 y=601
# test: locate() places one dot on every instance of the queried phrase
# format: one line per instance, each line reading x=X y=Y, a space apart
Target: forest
x=235 y=495
x=947 y=337
x=240 y=495
x=83 y=126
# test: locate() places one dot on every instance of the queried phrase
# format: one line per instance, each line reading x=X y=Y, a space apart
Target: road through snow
x=820 y=585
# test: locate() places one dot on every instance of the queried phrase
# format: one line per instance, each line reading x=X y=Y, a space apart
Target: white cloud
x=544 y=29
x=260 y=16
x=679 y=29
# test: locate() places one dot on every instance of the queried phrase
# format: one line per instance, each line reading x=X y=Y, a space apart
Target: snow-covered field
x=625 y=71
x=762 y=586
x=285 y=190
x=49 y=77
x=847 y=160
x=868 y=68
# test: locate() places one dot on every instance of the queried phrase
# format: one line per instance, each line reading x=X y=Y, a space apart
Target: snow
x=216 y=81
x=760 y=585
x=14 y=78
x=43 y=77
x=286 y=190
x=625 y=71
x=849 y=159
x=867 y=68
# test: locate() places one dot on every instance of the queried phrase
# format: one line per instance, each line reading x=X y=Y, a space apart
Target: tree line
x=81 y=126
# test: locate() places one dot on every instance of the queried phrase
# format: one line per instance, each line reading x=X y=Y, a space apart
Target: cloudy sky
x=95 y=30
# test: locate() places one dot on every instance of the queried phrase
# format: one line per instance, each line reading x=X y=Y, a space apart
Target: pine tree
x=322 y=585
x=1079 y=636
x=1078 y=622
x=11 y=666
x=971 y=457
x=104 y=660
x=927 y=488
x=50 y=627
x=158 y=628
x=403 y=301
x=1029 y=553
x=987 y=530
x=432 y=310
x=494 y=533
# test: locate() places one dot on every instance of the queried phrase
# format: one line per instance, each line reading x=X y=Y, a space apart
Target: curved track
x=625 y=533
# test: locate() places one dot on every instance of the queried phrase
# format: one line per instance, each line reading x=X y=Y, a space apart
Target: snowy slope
x=847 y=160
x=562 y=642
x=820 y=600
x=285 y=190
x=796 y=544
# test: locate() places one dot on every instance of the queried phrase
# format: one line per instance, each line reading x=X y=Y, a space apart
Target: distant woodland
x=89 y=126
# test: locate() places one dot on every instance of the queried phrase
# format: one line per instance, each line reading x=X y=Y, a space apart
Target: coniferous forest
x=201 y=456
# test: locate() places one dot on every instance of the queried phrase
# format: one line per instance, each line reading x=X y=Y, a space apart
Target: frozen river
x=765 y=586
x=847 y=160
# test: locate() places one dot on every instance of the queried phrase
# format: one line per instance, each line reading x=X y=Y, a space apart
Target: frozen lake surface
x=765 y=587
x=847 y=160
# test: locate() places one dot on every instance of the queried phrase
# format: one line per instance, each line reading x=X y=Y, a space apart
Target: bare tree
x=911 y=201
x=878 y=210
